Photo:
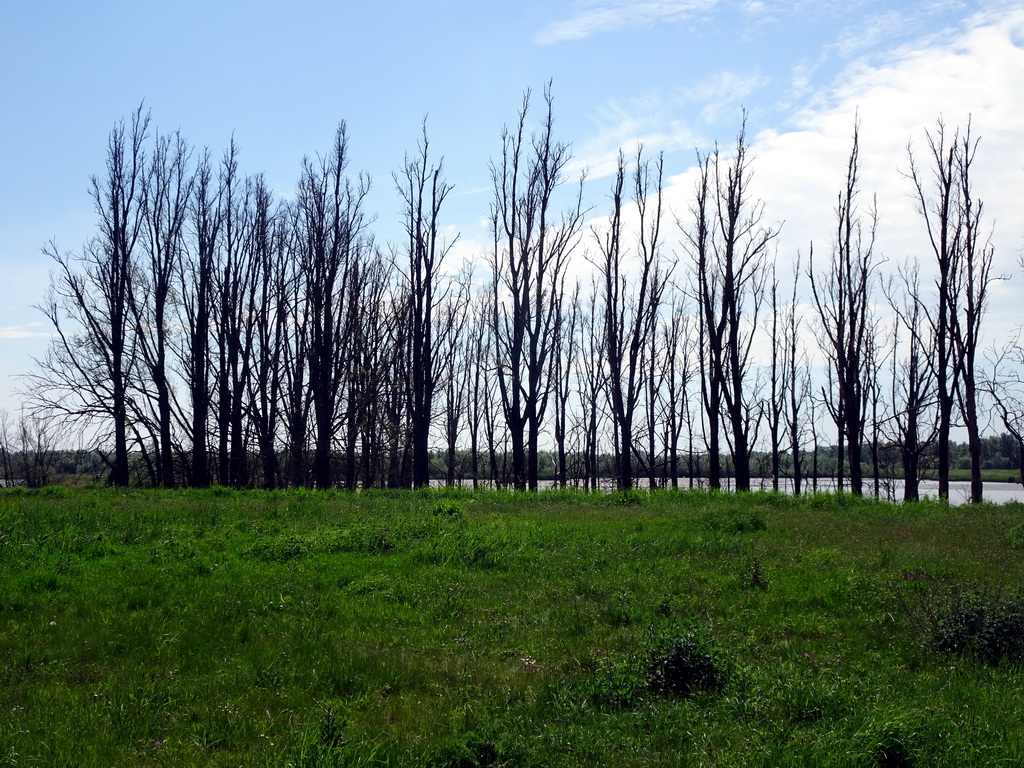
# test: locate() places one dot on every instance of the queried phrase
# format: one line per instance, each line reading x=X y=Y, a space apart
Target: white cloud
x=594 y=17
x=723 y=94
x=871 y=32
x=647 y=120
x=974 y=74
x=29 y=331
x=653 y=121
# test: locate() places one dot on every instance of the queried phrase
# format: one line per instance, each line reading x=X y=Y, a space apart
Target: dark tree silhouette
x=331 y=222
x=631 y=303
x=423 y=190
x=739 y=248
x=842 y=299
x=529 y=259
x=89 y=368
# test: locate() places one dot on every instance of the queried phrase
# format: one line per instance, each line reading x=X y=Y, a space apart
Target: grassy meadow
x=447 y=628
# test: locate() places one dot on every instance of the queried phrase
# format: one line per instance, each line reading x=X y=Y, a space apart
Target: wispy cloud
x=30 y=331
x=596 y=16
x=723 y=93
x=871 y=32
x=655 y=120
x=649 y=120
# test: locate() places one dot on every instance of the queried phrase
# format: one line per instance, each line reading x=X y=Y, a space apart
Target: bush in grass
x=615 y=684
x=448 y=510
x=277 y=549
x=1014 y=536
x=670 y=662
x=483 y=748
x=681 y=663
x=971 y=621
x=632 y=497
x=755 y=577
x=740 y=520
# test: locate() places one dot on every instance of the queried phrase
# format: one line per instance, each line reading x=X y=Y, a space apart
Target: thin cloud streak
x=594 y=18
x=22 y=332
x=654 y=121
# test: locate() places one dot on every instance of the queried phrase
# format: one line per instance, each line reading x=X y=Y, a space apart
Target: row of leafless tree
x=209 y=332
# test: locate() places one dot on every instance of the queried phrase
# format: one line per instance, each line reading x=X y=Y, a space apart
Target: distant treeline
x=212 y=332
x=44 y=463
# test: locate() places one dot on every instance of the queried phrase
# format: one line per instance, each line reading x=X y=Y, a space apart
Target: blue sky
x=671 y=73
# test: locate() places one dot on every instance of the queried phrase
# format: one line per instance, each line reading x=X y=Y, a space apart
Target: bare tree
x=89 y=367
x=454 y=362
x=776 y=405
x=29 y=447
x=480 y=379
x=591 y=384
x=939 y=213
x=796 y=380
x=563 y=356
x=330 y=221
x=978 y=254
x=267 y=309
x=739 y=249
x=233 y=275
x=842 y=298
x=168 y=188
x=1005 y=386
x=529 y=258
x=963 y=258
x=677 y=373
x=631 y=303
x=707 y=293
x=423 y=190
x=196 y=292
x=913 y=376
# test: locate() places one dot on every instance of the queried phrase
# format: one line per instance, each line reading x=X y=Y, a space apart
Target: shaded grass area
x=446 y=628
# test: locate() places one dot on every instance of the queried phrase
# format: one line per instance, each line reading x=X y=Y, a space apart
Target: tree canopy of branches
x=212 y=330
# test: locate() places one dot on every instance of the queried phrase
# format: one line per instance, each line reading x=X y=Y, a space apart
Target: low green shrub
x=447 y=509
x=683 y=663
x=971 y=621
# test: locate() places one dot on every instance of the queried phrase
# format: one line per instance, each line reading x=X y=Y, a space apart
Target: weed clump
x=971 y=621
x=670 y=662
x=448 y=510
x=684 y=664
x=755 y=576
x=476 y=749
x=742 y=520
x=631 y=497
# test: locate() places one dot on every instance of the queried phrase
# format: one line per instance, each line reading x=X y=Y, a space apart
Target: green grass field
x=215 y=628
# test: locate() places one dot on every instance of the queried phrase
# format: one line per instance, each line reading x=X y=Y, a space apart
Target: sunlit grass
x=449 y=628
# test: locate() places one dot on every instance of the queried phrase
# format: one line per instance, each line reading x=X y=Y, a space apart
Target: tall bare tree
x=699 y=236
x=978 y=254
x=423 y=190
x=739 y=247
x=532 y=245
x=913 y=376
x=89 y=368
x=331 y=220
x=795 y=381
x=963 y=256
x=938 y=209
x=196 y=292
x=677 y=373
x=842 y=298
x=631 y=302
x=168 y=184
